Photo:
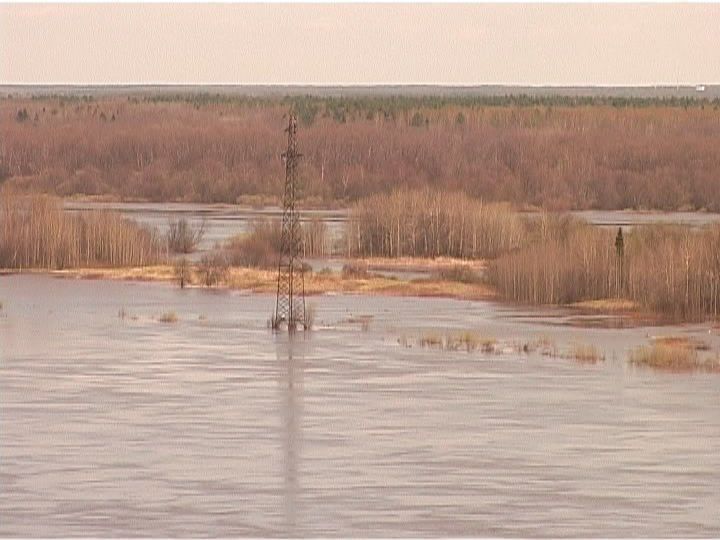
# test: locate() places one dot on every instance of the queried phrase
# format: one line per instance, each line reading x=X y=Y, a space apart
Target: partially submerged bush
x=182 y=237
x=213 y=268
x=674 y=356
x=455 y=341
x=461 y=273
x=587 y=354
x=182 y=272
x=355 y=270
x=168 y=317
x=663 y=356
x=259 y=248
x=310 y=312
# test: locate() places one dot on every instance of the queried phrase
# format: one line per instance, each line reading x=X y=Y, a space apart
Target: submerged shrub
x=182 y=237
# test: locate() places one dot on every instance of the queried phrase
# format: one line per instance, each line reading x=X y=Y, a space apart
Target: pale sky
x=526 y=44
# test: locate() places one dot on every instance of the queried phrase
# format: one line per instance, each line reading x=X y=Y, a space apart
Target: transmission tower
x=290 y=302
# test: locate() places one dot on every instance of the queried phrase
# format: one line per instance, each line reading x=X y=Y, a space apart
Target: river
x=113 y=423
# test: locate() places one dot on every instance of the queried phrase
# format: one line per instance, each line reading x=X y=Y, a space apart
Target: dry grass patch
x=416 y=264
x=169 y=317
x=673 y=358
x=454 y=341
x=586 y=354
x=682 y=341
x=608 y=305
x=265 y=281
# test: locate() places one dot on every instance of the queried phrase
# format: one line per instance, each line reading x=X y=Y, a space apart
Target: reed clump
x=683 y=341
x=586 y=354
x=668 y=357
x=454 y=341
x=168 y=317
x=676 y=353
x=36 y=233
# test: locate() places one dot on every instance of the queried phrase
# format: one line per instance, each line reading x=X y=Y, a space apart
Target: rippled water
x=215 y=426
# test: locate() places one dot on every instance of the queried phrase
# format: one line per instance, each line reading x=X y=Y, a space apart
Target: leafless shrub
x=182 y=271
x=213 y=268
x=310 y=313
x=259 y=248
x=182 y=237
x=355 y=270
x=461 y=273
x=168 y=317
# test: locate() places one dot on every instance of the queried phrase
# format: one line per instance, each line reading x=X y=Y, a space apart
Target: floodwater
x=114 y=423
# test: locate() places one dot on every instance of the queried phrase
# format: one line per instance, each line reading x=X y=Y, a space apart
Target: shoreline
x=256 y=280
x=264 y=281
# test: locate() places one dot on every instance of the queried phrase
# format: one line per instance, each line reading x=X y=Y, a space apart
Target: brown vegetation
x=586 y=354
x=667 y=270
x=429 y=223
x=557 y=153
x=36 y=233
x=182 y=237
x=673 y=357
x=213 y=268
x=259 y=248
x=265 y=281
x=682 y=341
x=168 y=317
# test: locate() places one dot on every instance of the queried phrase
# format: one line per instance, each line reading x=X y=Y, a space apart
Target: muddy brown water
x=126 y=426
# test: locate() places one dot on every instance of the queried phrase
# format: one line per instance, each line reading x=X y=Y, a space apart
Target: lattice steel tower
x=290 y=302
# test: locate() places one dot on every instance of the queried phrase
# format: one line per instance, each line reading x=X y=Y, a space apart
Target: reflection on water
x=290 y=355
x=216 y=426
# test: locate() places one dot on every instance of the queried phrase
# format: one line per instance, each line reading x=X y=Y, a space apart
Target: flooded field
x=114 y=423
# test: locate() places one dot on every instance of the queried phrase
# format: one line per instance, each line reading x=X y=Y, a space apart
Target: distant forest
x=551 y=152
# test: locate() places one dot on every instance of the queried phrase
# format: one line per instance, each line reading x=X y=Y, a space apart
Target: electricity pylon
x=290 y=302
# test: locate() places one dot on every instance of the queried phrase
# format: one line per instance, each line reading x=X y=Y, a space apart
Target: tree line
x=554 y=153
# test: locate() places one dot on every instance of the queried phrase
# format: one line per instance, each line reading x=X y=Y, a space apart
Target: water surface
x=216 y=426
